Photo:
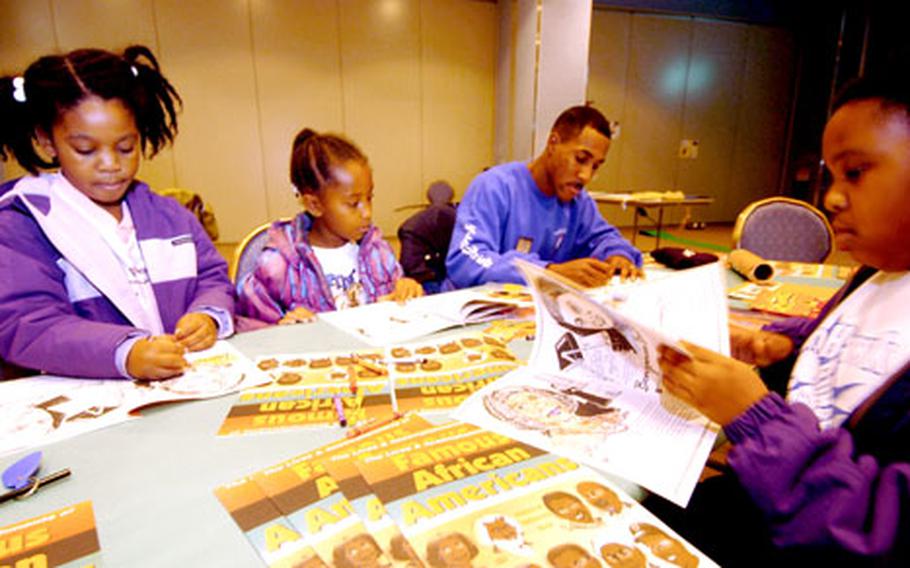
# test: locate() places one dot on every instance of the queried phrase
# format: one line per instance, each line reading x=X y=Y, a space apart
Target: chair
x=424 y=238
x=194 y=202
x=781 y=228
x=247 y=253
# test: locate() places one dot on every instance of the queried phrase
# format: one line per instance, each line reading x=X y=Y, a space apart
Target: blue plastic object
x=20 y=474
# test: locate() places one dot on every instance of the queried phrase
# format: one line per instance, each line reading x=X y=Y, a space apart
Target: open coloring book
x=43 y=409
x=387 y=323
x=592 y=387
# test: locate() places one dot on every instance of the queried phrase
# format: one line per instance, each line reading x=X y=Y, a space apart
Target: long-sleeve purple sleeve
x=811 y=487
x=505 y=216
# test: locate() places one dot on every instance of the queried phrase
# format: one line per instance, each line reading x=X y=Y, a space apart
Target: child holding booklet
x=100 y=276
x=330 y=256
x=823 y=475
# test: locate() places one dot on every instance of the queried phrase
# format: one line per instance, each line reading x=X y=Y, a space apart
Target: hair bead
x=19 y=89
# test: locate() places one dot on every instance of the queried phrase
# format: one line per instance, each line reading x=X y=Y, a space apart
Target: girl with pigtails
x=99 y=277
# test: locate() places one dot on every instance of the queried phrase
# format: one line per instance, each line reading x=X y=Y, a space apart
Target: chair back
x=194 y=202
x=781 y=228
x=247 y=253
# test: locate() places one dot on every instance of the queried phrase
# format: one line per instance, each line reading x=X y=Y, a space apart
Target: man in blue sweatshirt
x=539 y=212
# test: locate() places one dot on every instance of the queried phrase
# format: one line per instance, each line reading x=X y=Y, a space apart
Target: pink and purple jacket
x=288 y=274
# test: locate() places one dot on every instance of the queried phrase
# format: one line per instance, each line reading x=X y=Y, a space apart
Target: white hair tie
x=19 y=89
x=134 y=70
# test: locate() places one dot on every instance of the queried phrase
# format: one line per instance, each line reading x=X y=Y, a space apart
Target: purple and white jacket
x=288 y=274
x=55 y=317
x=840 y=490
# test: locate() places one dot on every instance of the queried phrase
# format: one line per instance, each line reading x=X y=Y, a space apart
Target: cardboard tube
x=749 y=265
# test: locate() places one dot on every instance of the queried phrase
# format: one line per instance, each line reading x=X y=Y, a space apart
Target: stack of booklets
x=410 y=494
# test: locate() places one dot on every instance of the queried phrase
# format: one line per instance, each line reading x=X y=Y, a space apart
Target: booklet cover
x=343 y=469
x=43 y=409
x=483 y=499
x=388 y=323
x=429 y=376
x=291 y=510
x=65 y=537
x=592 y=388
x=271 y=534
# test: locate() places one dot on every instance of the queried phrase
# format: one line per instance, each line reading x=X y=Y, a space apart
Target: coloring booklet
x=388 y=323
x=43 y=409
x=592 y=388
x=293 y=512
x=430 y=376
x=483 y=499
x=276 y=541
x=65 y=537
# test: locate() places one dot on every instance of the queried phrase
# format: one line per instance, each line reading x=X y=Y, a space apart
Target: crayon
x=373 y=424
x=352 y=379
x=369 y=365
x=339 y=410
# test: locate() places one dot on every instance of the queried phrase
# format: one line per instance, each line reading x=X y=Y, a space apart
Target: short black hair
x=55 y=84
x=893 y=90
x=573 y=120
x=314 y=154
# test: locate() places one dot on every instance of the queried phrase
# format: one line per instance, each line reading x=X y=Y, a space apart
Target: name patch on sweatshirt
x=524 y=245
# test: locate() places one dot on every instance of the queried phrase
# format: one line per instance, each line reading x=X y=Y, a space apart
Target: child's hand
x=758 y=347
x=405 y=289
x=196 y=331
x=156 y=358
x=719 y=387
x=297 y=315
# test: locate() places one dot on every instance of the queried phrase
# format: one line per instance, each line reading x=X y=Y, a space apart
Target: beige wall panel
x=26 y=33
x=608 y=63
x=298 y=73
x=206 y=52
x=380 y=66
x=713 y=91
x=104 y=24
x=763 y=115
x=113 y=26
x=458 y=41
x=659 y=52
x=652 y=118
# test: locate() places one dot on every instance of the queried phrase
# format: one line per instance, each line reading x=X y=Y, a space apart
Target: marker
x=31 y=488
x=339 y=410
x=352 y=379
x=370 y=366
x=393 y=396
x=373 y=425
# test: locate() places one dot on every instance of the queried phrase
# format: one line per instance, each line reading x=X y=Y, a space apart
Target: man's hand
x=591 y=272
x=758 y=347
x=405 y=289
x=297 y=315
x=719 y=387
x=196 y=331
x=156 y=358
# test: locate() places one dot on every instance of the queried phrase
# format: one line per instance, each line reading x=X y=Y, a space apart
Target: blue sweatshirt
x=504 y=215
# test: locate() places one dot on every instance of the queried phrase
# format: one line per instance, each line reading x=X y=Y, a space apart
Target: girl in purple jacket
x=330 y=256
x=822 y=476
x=99 y=277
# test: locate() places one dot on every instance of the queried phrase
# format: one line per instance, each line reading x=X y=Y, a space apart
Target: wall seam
x=259 y=115
x=344 y=123
x=157 y=33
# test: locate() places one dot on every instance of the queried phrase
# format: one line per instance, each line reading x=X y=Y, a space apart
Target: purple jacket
x=288 y=274
x=843 y=489
x=49 y=324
